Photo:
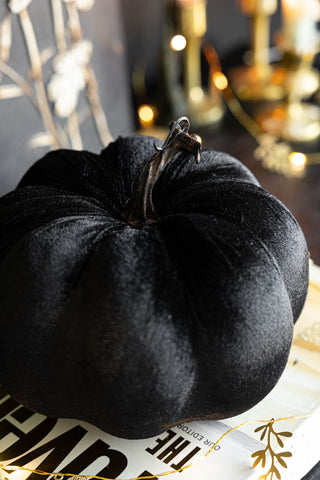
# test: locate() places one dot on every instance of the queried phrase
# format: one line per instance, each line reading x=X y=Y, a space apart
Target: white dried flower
x=69 y=78
x=16 y=6
x=83 y=5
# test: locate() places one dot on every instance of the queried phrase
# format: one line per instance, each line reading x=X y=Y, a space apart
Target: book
x=33 y=441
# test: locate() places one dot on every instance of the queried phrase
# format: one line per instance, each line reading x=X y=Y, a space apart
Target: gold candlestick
x=299 y=30
x=186 y=27
x=260 y=12
x=295 y=119
x=258 y=80
x=193 y=25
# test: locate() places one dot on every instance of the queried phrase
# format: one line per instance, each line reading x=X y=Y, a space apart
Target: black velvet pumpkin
x=135 y=329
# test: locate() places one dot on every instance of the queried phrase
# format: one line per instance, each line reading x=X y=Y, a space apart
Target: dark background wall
x=227 y=27
x=19 y=121
x=123 y=32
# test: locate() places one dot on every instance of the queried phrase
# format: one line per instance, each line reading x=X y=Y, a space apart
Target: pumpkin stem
x=140 y=210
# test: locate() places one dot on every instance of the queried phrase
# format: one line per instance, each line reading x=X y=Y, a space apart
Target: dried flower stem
x=58 y=25
x=18 y=80
x=60 y=36
x=97 y=111
x=31 y=42
x=27 y=90
x=100 y=119
x=36 y=72
x=46 y=113
x=5 y=37
x=36 y=90
x=74 y=22
x=74 y=131
x=10 y=91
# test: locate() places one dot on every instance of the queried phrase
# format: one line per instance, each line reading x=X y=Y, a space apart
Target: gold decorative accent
x=274 y=154
x=58 y=476
x=268 y=453
x=293 y=119
x=185 y=27
x=257 y=80
x=310 y=338
x=73 y=476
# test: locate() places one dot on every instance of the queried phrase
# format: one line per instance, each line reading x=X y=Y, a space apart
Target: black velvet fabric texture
x=135 y=330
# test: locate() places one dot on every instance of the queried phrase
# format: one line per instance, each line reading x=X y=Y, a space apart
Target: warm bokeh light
x=178 y=43
x=220 y=80
x=146 y=115
x=196 y=94
x=310 y=83
x=279 y=114
x=298 y=159
x=250 y=7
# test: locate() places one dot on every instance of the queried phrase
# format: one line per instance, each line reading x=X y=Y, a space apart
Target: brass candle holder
x=258 y=80
x=295 y=118
x=185 y=27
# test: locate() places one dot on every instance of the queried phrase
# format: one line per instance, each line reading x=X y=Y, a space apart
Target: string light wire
x=61 y=475
x=274 y=154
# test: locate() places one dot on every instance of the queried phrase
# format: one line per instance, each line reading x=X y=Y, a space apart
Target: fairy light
x=278 y=114
x=146 y=115
x=178 y=43
x=196 y=94
x=298 y=160
x=220 y=80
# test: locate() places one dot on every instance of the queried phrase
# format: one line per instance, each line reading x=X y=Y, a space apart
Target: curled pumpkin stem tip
x=140 y=210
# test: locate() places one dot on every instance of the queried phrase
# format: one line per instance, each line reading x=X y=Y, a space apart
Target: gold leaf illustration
x=261 y=428
x=269 y=453
x=285 y=434
x=279 y=441
x=281 y=461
